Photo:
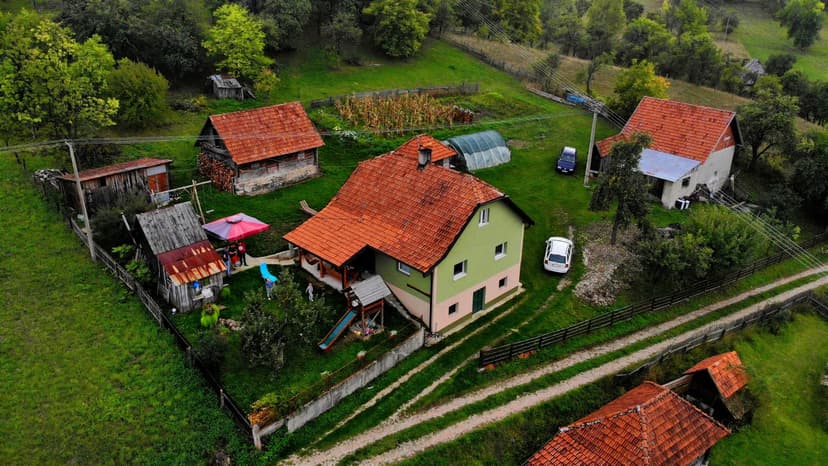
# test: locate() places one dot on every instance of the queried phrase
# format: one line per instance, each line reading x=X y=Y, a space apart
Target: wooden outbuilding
x=257 y=151
x=228 y=87
x=106 y=186
x=180 y=255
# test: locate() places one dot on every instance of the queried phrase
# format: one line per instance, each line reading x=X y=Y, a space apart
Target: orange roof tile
x=267 y=132
x=677 y=128
x=726 y=370
x=439 y=151
x=109 y=170
x=648 y=425
x=389 y=205
x=193 y=262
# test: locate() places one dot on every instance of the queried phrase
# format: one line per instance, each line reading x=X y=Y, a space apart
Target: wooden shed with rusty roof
x=180 y=255
x=258 y=151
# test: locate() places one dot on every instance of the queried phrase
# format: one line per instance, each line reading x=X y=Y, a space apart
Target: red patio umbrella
x=235 y=227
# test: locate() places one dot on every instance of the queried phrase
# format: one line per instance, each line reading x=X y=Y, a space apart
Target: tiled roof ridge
x=644 y=439
x=255 y=109
x=706 y=107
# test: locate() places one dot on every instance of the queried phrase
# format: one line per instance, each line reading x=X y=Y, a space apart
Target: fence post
x=221 y=397
x=257 y=439
x=652 y=304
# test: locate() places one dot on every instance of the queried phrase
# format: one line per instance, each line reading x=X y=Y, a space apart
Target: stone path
x=348 y=446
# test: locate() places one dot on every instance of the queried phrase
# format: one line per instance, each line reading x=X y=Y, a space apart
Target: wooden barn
x=228 y=87
x=179 y=254
x=105 y=186
x=257 y=151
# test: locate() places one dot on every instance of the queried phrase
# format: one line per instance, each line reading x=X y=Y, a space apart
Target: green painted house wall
x=415 y=283
x=476 y=245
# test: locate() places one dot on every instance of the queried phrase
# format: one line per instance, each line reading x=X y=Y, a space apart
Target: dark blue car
x=566 y=161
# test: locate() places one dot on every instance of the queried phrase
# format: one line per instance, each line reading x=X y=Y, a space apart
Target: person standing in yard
x=233 y=250
x=268 y=287
x=225 y=256
x=243 y=252
x=309 y=290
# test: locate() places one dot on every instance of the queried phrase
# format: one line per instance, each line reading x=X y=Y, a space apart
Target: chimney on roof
x=423 y=157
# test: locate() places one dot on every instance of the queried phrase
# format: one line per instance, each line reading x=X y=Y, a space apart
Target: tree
x=282 y=20
x=52 y=84
x=780 y=63
x=622 y=182
x=519 y=19
x=262 y=333
x=164 y=34
x=768 y=120
x=142 y=93
x=544 y=70
x=644 y=39
x=399 y=27
x=675 y=260
x=633 y=10
x=592 y=68
x=809 y=169
x=803 y=18
x=571 y=34
x=694 y=58
x=733 y=241
x=633 y=84
x=342 y=29
x=814 y=103
x=443 y=16
x=689 y=17
x=604 y=22
x=237 y=42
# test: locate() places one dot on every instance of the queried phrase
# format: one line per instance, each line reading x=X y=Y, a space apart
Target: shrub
x=209 y=315
x=138 y=269
x=779 y=64
x=142 y=93
x=210 y=350
x=262 y=336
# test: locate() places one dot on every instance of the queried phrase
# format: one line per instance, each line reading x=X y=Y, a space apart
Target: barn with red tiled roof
x=691 y=146
x=256 y=151
x=446 y=243
x=648 y=425
x=720 y=383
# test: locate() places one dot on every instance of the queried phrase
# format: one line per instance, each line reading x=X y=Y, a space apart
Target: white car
x=558 y=255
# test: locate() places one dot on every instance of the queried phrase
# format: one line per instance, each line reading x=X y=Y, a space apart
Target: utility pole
x=87 y=227
x=591 y=144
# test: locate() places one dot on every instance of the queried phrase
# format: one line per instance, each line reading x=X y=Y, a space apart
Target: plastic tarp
x=665 y=166
x=481 y=150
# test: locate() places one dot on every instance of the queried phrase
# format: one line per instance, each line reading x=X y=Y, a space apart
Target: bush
x=138 y=269
x=96 y=155
x=262 y=335
x=780 y=64
x=209 y=315
x=210 y=350
x=142 y=93
x=107 y=225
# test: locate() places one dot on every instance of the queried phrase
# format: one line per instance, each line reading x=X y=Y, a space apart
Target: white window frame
x=461 y=274
x=503 y=252
x=403 y=269
x=484 y=217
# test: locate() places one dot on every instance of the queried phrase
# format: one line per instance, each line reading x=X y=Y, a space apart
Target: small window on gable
x=484 y=216
x=403 y=269
x=685 y=182
x=501 y=283
x=460 y=270
x=452 y=309
x=500 y=251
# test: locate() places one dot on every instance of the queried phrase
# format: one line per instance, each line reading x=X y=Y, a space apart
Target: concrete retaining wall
x=353 y=383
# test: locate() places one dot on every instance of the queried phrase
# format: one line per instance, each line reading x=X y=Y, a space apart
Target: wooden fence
x=719 y=333
x=436 y=91
x=157 y=313
x=657 y=303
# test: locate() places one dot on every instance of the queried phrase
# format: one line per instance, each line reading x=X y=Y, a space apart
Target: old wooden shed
x=179 y=254
x=257 y=151
x=228 y=87
x=106 y=186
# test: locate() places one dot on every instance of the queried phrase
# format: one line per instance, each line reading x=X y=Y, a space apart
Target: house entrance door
x=478 y=299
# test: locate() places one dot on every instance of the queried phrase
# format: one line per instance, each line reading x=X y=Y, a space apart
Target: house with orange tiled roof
x=447 y=244
x=648 y=425
x=691 y=146
x=257 y=151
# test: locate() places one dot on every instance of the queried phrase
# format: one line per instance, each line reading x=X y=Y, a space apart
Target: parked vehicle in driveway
x=558 y=255
x=566 y=161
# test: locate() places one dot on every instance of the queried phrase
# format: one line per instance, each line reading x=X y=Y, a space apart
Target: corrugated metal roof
x=109 y=170
x=665 y=166
x=371 y=290
x=193 y=262
x=481 y=150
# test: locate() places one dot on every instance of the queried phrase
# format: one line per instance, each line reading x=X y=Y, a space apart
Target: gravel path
x=346 y=447
x=528 y=401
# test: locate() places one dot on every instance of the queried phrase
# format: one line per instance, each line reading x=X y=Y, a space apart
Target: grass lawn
x=87 y=376
x=789 y=427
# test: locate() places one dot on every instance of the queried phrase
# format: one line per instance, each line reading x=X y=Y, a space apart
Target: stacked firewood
x=221 y=175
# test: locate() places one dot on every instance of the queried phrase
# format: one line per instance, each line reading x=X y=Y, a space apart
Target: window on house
x=403 y=269
x=500 y=251
x=484 y=216
x=453 y=309
x=460 y=270
x=685 y=182
x=501 y=283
